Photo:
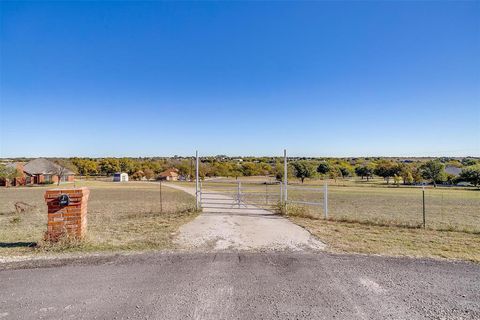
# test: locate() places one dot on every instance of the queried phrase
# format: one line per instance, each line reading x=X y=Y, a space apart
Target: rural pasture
x=372 y=202
x=121 y=216
x=445 y=208
x=373 y=218
x=363 y=217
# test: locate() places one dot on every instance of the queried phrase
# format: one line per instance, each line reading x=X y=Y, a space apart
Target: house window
x=47 y=178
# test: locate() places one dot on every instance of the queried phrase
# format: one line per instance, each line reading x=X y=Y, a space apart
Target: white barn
x=120 y=177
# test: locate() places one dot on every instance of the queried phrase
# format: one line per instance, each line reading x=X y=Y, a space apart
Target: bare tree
x=60 y=168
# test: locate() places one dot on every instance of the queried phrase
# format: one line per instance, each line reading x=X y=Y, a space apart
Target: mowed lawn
x=121 y=216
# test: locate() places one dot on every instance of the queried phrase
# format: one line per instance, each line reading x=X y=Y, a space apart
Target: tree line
x=411 y=172
x=398 y=172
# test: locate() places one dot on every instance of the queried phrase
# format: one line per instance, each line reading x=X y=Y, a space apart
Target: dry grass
x=394 y=241
x=386 y=220
x=446 y=208
x=373 y=202
x=121 y=216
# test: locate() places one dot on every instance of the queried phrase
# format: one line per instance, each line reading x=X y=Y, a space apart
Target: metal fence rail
x=322 y=201
x=439 y=209
x=235 y=195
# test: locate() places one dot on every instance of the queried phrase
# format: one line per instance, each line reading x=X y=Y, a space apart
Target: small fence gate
x=231 y=195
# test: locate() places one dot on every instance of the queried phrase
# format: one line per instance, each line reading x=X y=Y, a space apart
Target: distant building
x=45 y=171
x=120 y=177
x=38 y=171
x=169 y=175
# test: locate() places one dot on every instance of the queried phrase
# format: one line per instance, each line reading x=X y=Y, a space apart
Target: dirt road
x=249 y=228
x=242 y=286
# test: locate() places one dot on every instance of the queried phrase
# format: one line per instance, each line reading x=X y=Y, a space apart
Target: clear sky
x=240 y=78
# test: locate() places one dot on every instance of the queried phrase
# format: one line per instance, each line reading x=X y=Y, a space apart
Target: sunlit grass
x=121 y=216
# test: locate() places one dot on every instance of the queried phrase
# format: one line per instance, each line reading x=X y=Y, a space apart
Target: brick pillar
x=70 y=220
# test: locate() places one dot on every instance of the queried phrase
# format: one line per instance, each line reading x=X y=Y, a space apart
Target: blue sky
x=240 y=78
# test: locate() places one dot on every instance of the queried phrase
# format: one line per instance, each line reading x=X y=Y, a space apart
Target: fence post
x=239 y=193
x=325 y=200
x=161 y=200
x=281 y=193
x=285 y=175
x=266 y=193
x=196 y=181
x=423 y=202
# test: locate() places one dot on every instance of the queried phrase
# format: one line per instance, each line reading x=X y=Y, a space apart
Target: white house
x=120 y=177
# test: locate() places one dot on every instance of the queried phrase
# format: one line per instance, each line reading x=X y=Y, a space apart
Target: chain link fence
x=444 y=208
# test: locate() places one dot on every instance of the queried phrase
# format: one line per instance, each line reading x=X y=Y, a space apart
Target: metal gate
x=231 y=195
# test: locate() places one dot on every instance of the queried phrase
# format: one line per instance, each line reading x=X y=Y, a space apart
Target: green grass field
x=121 y=216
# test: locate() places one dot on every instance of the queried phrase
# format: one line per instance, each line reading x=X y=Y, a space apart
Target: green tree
x=109 y=166
x=467 y=162
x=251 y=169
x=433 y=170
x=278 y=170
x=386 y=169
x=409 y=178
x=303 y=169
x=126 y=165
x=323 y=167
x=397 y=179
x=346 y=170
x=471 y=174
x=86 y=167
x=9 y=173
x=334 y=173
x=405 y=171
x=365 y=170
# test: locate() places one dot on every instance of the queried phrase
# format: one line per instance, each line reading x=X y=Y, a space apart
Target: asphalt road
x=240 y=286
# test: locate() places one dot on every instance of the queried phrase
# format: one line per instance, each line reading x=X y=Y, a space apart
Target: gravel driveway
x=248 y=228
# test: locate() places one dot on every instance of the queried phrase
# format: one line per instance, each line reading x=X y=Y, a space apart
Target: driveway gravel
x=247 y=228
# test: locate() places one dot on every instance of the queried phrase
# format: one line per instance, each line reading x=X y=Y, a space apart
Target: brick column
x=69 y=220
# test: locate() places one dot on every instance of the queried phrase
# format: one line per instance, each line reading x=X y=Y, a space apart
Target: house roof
x=44 y=166
x=169 y=172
